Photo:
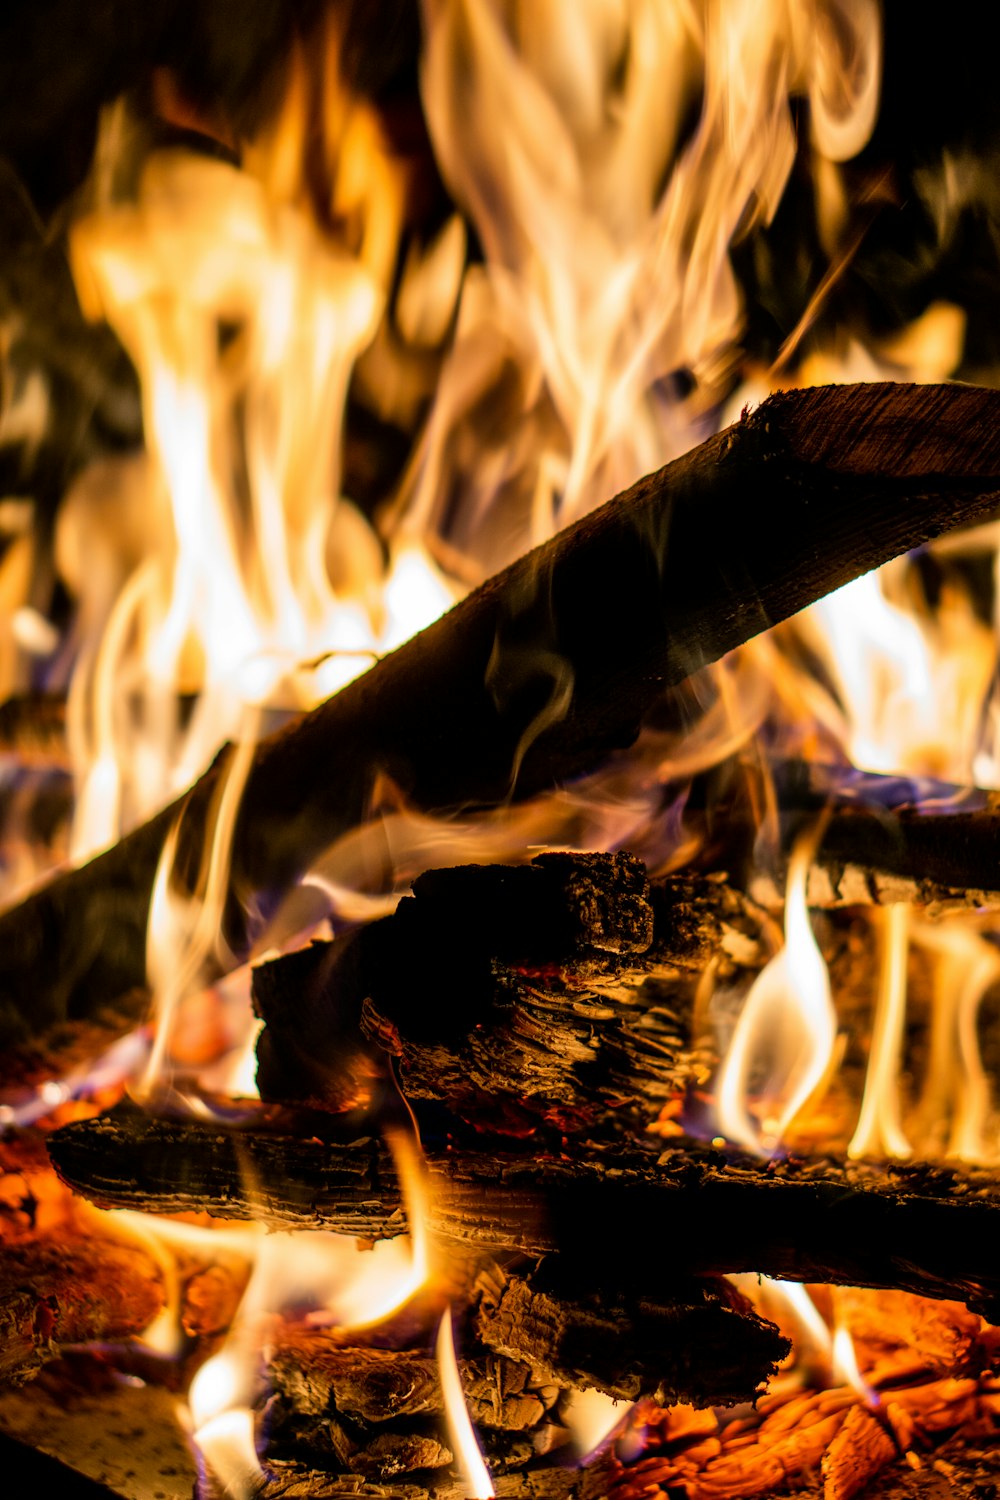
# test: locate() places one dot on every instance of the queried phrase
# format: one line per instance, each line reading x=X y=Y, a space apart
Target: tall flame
x=784 y=1036
x=478 y=1485
x=879 y=1129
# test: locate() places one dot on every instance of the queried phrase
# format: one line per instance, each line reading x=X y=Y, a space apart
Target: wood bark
x=933 y=1230
x=539 y=674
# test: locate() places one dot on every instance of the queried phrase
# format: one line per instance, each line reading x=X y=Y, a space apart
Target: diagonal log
x=549 y=666
x=933 y=1230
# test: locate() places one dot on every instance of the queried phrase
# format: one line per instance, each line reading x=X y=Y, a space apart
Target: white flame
x=476 y=1476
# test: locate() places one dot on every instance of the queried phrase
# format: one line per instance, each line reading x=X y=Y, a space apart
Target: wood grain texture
x=933 y=1230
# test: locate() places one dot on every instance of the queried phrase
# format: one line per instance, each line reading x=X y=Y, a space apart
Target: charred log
x=928 y=1229
x=695 y=1345
x=630 y=600
x=879 y=844
x=373 y=1410
x=556 y=992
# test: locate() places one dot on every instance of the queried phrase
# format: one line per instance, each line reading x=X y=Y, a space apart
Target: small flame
x=955 y=1114
x=835 y=1349
x=845 y=1364
x=478 y=1485
x=184 y=931
x=222 y=1413
x=788 y=1023
x=591 y=1418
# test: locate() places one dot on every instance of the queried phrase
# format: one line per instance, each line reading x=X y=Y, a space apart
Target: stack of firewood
x=546 y=1024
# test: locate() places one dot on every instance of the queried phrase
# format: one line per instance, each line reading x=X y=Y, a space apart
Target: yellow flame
x=223 y=1421
x=185 y=931
x=591 y=1417
x=912 y=687
x=478 y=1485
x=879 y=1129
x=244 y=321
x=787 y=1028
x=845 y=1364
x=955 y=1114
x=344 y=1286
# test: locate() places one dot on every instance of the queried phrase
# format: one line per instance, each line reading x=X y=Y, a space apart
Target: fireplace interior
x=499 y=750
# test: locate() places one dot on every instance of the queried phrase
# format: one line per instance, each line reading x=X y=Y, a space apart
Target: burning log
x=692 y=1339
x=928 y=1229
x=56 y=1291
x=366 y=1407
x=551 y=665
x=690 y=1345
x=566 y=992
x=879 y=846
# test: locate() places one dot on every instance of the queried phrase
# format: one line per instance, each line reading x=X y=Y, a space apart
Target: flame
x=591 y=1418
x=476 y=1476
x=878 y=1129
x=184 y=931
x=955 y=1114
x=244 y=321
x=222 y=1414
x=911 y=686
x=788 y=1023
x=324 y=1279
x=790 y=1301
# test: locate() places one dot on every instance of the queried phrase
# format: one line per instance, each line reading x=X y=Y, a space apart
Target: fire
x=478 y=1485
x=224 y=1424
x=244 y=323
x=787 y=1028
x=224 y=578
x=790 y=1301
x=878 y=1127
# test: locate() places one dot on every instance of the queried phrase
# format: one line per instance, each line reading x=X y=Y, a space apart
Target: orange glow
x=783 y=1040
x=478 y=1485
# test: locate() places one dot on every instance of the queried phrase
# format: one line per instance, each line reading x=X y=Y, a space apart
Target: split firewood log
x=928 y=1229
x=378 y=1411
x=556 y=991
x=541 y=673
